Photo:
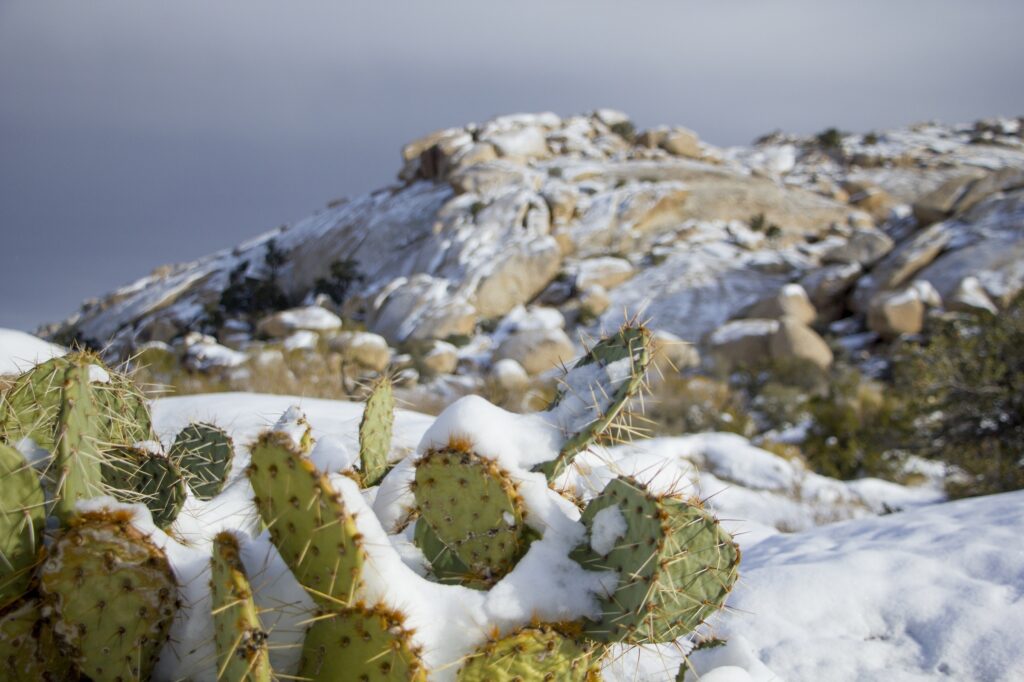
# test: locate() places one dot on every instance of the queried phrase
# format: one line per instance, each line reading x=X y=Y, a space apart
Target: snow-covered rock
x=19 y=351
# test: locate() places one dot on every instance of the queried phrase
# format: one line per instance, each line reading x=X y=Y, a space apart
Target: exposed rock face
x=608 y=223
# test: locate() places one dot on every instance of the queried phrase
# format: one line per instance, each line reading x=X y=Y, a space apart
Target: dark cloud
x=133 y=134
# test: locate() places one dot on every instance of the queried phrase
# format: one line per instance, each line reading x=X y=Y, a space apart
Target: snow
x=311 y=318
x=935 y=592
x=301 y=340
x=922 y=592
x=741 y=329
x=20 y=351
x=98 y=375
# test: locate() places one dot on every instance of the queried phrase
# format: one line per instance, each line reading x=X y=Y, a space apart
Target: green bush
x=858 y=429
x=967 y=384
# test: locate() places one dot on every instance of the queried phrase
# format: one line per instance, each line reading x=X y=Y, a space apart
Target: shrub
x=968 y=385
x=255 y=295
x=343 y=275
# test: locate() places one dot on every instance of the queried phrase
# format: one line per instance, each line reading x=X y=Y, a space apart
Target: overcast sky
x=137 y=133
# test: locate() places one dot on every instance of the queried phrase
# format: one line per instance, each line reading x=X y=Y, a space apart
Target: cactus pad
x=676 y=566
x=473 y=508
x=204 y=454
x=360 y=643
x=594 y=393
x=22 y=517
x=75 y=472
x=134 y=475
x=32 y=405
x=111 y=594
x=375 y=432
x=444 y=563
x=533 y=654
x=27 y=647
x=242 y=654
x=308 y=522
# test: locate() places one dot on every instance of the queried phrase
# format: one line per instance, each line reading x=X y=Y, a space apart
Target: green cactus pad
x=28 y=650
x=22 y=518
x=375 y=432
x=360 y=643
x=75 y=472
x=534 y=654
x=309 y=524
x=676 y=566
x=112 y=596
x=473 y=508
x=242 y=654
x=204 y=454
x=135 y=475
x=33 y=404
x=594 y=393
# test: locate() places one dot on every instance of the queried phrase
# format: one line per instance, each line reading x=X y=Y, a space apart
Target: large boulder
x=894 y=313
x=970 y=297
x=367 y=350
x=864 y=246
x=794 y=340
x=741 y=343
x=286 y=322
x=606 y=271
x=537 y=350
x=902 y=264
x=827 y=288
x=791 y=300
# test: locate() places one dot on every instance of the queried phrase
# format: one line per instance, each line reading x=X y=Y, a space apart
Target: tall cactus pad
x=595 y=391
x=360 y=643
x=27 y=647
x=241 y=641
x=375 y=432
x=473 y=508
x=204 y=454
x=112 y=596
x=75 y=472
x=308 y=522
x=533 y=654
x=135 y=475
x=676 y=564
x=22 y=518
x=33 y=404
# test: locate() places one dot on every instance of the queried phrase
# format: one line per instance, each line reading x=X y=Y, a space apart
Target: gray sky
x=135 y=133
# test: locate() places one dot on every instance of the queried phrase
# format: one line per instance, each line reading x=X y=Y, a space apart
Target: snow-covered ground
x=933 y=591
x=19 y=351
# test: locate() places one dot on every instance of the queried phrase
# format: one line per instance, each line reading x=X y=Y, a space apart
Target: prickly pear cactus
x=474 y=510
x=444 y=563
x=28 y=650
x=361 y=643
x=32 y=405
x=595 y=392
x=375 y=432
x=22 y=517
x=308 y=522
x=676 y=564
x=135 y=475
x=204 y=453
x=533 y=654
x=75 y=472
x=242 y=654
x=111 y=595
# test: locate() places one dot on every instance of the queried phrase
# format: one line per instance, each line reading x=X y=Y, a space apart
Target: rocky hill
x=505 y=242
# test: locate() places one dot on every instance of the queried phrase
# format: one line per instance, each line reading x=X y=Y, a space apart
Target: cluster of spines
x=204 y=453
x=606 y=400
x=538 y=652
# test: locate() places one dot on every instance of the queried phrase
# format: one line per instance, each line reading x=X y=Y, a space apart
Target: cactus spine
x=375 y=432
x=308 y=522
x=111 y=594
x=242 y=654
x=22 y=517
